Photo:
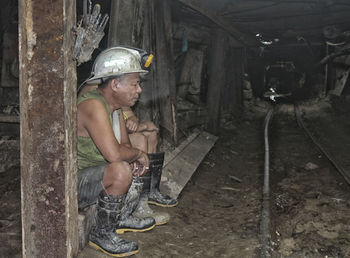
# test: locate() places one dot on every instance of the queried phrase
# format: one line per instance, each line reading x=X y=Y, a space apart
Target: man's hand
x=141 y=165
x=132 y=124
x=147 y=126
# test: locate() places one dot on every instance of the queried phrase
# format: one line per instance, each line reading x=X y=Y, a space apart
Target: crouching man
x=109 y=169
x=144 y=136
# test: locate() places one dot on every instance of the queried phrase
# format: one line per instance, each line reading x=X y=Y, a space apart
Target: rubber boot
x=155 y=169
x=103 y=236
x=143 y=210
x=127 y=221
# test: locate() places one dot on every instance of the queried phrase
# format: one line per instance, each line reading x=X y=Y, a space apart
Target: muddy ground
x=218 y=216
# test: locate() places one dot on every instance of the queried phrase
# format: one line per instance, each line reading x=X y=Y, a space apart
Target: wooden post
x=130 y=25
x=139 y=23
x=125 y=27
x=216 y=81
x=48 y=128
x=232 y=99
x=165 y=69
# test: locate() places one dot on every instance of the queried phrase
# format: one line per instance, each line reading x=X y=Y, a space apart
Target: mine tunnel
x=251 y=103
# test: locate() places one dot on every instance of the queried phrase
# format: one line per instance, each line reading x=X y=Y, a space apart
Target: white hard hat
x=115 y=61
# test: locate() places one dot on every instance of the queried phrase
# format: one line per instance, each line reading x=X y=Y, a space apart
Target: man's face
x=129 y=89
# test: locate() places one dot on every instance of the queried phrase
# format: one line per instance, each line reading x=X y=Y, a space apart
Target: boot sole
x=162 y=223
x=157 y=223
x=93 y=245
x=123 y=230
x=162 y=205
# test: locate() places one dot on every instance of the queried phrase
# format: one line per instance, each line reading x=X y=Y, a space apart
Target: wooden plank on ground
x=342 y=77
x=169 y=156
x=178 y=171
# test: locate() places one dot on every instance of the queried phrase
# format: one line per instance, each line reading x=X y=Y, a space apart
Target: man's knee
x=118 y=174
x=139 y=141
x=152 y=142
x=153 y=137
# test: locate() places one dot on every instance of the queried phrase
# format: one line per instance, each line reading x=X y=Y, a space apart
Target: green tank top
x=88 y=154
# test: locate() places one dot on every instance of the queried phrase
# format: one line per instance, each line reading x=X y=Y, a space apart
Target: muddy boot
x=127 y=221
x=143 y=210
x=155 y=169
x=103 y=236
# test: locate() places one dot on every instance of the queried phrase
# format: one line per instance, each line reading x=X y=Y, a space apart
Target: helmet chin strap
x=81 y=86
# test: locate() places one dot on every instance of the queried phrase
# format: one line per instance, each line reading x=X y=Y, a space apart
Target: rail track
x=305 y=205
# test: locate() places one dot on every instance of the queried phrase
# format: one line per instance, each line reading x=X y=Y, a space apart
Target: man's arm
x=132 y=122
x=128 y=113
x=147 y=127
x=125 y=140
x=94 y=122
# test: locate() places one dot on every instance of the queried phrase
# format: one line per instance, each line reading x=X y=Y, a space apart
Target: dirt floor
x=311 y=210
x=218 y=216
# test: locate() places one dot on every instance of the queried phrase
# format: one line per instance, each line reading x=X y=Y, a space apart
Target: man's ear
x=115 y=84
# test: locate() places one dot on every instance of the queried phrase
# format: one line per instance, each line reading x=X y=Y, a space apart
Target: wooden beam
x=148 y=25
x=125 y=26
x=48 y=128
x=130 y=25
x=199 y=35
x=232 y=100
x=216 y=80
x=165 y=69
x=221 y=22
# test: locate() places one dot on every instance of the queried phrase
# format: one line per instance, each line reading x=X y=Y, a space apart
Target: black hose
x=265 y=235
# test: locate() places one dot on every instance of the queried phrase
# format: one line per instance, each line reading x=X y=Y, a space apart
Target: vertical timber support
x=126 y=23
x=130 y=25
x=216 y=81
x=48 y=128
x=165 y=69
x=239 y=63
x=232 y=99
x=139 y=23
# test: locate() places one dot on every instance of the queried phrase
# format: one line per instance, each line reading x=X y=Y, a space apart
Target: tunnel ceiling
x=289 y=21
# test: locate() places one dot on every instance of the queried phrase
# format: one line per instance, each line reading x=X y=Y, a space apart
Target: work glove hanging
x=89 y=32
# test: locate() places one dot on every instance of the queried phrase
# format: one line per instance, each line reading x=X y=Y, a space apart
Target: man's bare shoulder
x=91 y=104
x=92 y=108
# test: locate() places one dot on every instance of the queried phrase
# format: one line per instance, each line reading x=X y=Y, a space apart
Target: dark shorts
x=90 y=184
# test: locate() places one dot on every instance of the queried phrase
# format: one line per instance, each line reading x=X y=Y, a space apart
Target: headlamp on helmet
x=145 y=58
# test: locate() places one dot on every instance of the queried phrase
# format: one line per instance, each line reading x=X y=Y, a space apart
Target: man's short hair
x=106 y=80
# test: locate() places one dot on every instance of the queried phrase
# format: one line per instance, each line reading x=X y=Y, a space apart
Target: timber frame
x=48 y=99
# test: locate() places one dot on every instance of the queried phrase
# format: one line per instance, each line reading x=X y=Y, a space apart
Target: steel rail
x=300 y=122
x=265 y=230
